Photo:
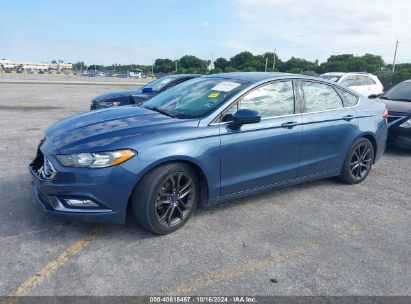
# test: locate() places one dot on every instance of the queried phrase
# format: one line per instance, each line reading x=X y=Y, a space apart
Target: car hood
x=102 y=129
x=117 y=94
x=397 y=106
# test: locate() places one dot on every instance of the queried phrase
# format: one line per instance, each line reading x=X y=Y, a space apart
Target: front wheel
x=166 y=198
x=358 y=162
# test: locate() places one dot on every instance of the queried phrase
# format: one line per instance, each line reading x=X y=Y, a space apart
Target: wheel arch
x=202 y=177
x=373 y=141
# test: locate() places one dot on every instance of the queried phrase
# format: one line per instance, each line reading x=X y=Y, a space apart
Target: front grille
x=42 y=166
x=47 y=171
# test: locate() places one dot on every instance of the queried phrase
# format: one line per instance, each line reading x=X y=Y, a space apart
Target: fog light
x=79 y=203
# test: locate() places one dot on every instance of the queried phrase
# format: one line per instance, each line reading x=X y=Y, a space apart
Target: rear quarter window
x=349 y=100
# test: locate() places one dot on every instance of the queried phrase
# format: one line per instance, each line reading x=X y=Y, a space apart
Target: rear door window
x=348 y=81
x=361 y=80
x=320 y=97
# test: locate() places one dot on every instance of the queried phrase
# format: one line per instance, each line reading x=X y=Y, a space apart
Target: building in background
x=35 y=66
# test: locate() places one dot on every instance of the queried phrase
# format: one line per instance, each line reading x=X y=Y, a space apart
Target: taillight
x=385 y=114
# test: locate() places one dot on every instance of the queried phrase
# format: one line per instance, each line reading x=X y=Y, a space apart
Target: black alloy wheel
x=166 y=197
x=358 y=162
x=175 y=198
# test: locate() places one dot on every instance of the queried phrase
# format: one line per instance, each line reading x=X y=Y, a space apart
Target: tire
x=165 y=198
x=358 y=163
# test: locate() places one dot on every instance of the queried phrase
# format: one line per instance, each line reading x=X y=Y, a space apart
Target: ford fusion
x=138 y=96
x=204 y=141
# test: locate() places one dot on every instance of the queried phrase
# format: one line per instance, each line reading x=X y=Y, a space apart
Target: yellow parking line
x=52 y=266
x=225 y=274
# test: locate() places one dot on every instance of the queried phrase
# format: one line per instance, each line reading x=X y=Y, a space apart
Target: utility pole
x=395 y=57
x=152 y=66
x=176 y=65
x=266 y=62
x=274 y=60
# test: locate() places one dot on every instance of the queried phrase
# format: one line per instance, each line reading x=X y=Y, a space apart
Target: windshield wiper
x=161 y=112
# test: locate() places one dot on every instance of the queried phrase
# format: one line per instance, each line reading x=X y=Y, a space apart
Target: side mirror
x=244 y=116
x=373 y=96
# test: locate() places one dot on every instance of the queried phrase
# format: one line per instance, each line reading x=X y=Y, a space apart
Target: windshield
x=401 y=91
x=158 y=84
x=195 y=98
x=334 y=78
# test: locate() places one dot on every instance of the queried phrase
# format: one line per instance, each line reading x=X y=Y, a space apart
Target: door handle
x=289 y=125
x=348 y=117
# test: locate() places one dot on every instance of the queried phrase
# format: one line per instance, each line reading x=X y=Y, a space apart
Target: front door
x=264 y=153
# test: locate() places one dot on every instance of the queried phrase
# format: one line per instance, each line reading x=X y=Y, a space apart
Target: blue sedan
x=207 y=140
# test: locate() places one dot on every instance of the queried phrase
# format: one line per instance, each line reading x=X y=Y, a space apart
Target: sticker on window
x=213 y=95
x=225 y=86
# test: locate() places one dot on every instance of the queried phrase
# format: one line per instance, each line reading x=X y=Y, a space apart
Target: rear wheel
x=166 y=198
x=358 y=162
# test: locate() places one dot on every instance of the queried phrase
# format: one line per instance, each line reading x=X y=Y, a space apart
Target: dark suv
x=141 y=95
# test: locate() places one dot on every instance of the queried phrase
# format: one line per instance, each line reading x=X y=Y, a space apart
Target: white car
x=364 y=83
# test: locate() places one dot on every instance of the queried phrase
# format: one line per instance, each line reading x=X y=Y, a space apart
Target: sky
x=138 y=31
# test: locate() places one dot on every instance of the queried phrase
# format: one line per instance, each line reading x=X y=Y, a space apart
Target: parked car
x=138 y=96
x=136 y=73
x=209 y=139
x=364 y=83
x=398 y=103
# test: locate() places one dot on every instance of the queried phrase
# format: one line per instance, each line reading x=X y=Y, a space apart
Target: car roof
x=177 y=76
x=346 y=73
x=250 y=76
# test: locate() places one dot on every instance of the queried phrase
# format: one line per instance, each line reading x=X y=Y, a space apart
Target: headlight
x=406 y=124
x=96 y=160
x=110 y=103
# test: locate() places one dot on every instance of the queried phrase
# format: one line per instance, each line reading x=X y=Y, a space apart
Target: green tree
x=189 y=61
x=164 y=65
x=241 y=60
x=298 y=65
x=221 y=63
x=401 y=75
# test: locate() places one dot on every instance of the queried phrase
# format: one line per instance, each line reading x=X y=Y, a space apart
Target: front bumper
x=109 y=187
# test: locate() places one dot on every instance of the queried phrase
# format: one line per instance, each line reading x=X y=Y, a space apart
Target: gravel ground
x=318 y=238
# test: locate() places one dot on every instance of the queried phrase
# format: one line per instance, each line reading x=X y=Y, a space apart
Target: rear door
x=328 y=129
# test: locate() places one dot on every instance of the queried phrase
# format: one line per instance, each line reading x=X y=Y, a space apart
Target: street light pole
x=266 y=62
x=274 y=59
x=395 y=57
